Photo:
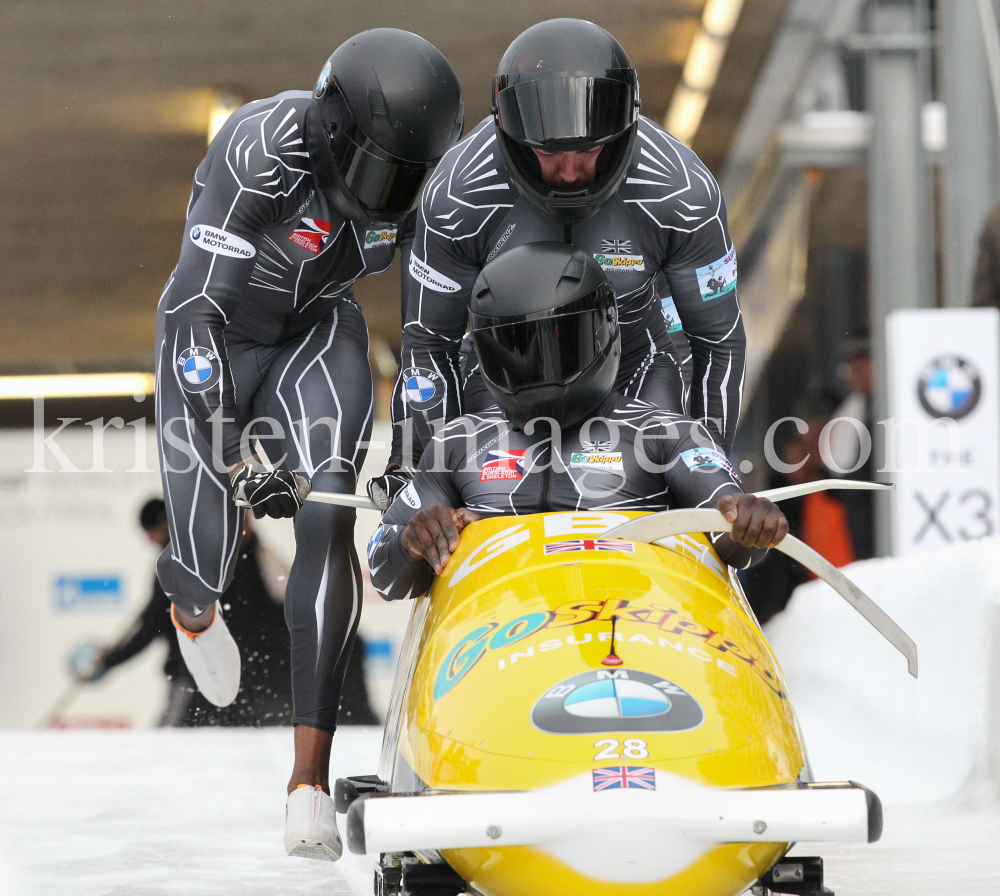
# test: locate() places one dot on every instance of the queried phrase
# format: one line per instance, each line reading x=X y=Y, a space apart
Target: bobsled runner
x=585 y=704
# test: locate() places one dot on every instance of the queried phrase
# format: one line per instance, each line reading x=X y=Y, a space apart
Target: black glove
x=275 y=493
x=383 y=489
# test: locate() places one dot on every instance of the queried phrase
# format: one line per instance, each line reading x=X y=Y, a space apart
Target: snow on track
x=163 y=813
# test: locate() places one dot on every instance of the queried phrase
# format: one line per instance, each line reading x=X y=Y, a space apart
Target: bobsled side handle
x=653 y=528
x=815 y=562
x=821 y=485
x=360 y=502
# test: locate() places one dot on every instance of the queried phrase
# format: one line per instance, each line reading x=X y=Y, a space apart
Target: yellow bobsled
x=577 y=710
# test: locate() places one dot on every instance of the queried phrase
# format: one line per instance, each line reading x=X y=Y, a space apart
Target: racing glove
x=274 y=493
x=383 y=489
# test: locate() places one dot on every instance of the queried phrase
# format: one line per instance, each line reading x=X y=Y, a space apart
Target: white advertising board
x=943 y=433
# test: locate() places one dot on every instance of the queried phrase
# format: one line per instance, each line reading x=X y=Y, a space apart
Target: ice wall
x=864 y=718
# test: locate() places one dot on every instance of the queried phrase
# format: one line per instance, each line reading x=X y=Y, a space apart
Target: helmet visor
x=571 y=111
x=380 y=182
x=547 y=348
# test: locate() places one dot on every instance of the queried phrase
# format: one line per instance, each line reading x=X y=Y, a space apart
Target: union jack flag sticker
x=624 y=777
x=616 y=247
x=590 y=544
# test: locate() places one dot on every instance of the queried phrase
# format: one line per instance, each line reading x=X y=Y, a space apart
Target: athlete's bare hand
x=434 y=533
x=757 y=522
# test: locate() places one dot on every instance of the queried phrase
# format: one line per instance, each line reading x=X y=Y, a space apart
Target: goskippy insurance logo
x=605 y=700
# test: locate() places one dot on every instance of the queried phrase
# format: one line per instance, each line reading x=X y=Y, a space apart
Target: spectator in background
x=152 y=623
x=821 y=520
x=846 y=445
x=986 y=280
x=254 y=612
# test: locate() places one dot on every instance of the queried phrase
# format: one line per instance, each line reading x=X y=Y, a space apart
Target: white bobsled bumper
x=573 y=812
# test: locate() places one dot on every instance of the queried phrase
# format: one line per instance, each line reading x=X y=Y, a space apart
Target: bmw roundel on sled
x=585 y=704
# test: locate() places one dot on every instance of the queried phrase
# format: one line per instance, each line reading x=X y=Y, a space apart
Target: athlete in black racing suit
x=299 y=196
x=545 y=324
x=484 y=464
x=650 y=213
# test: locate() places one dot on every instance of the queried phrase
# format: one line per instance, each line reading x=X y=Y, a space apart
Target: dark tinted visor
x=548 y=348
x=379 y=181
x=571 y=110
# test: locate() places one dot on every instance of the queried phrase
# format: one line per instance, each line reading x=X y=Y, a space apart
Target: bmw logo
x=615 y=700
x=949 y=386
x=422 y=388
x=199 y=369
x=321 y=82
x=196 y=233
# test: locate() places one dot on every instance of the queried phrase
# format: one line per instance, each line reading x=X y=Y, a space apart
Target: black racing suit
x=630 y=456
x=258 y=320
x=662 y=239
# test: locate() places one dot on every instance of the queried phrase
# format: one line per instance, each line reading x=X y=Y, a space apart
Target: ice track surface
x=201 y=812
x=162 y=813
x=158 y=813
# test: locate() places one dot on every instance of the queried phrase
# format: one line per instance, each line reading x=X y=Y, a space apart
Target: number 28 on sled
x=594 y=715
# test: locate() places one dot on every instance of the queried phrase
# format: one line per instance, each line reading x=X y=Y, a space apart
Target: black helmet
x=545 y=324
x=386 y=107
x=566 y=85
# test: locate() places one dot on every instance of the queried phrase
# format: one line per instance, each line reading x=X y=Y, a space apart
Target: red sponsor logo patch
x=503 y=465
x=311 y=235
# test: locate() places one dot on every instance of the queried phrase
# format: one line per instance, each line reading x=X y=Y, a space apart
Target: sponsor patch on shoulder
x=424 y=273
x=219 y=242
x=375 y=239
x=717 y=278
x=707 y=459
x=422 y=388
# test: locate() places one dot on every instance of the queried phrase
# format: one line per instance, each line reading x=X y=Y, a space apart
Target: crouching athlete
x=559 y=438
x=259 y=336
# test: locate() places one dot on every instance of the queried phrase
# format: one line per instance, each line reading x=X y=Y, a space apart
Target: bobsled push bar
x=652 y=528
x=820 y=485
x=358 y=501
x=571 y=812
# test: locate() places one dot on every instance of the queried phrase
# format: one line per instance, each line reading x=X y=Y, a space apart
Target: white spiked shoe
x=212 y=658
x=311 y=825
